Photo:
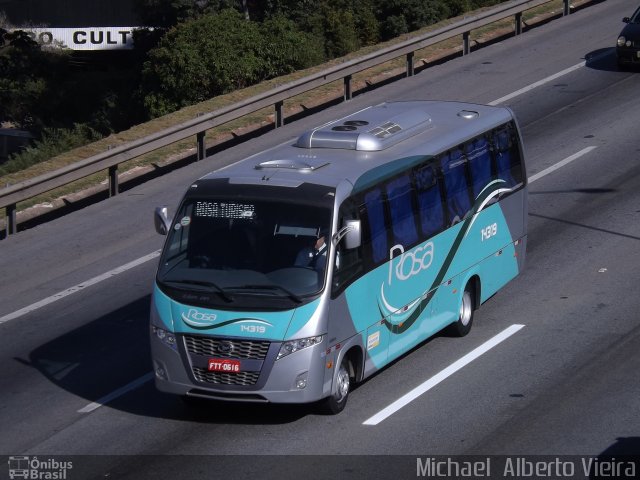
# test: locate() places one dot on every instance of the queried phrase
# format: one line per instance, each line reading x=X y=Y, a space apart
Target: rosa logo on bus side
x=403 y=267
x=418 y=259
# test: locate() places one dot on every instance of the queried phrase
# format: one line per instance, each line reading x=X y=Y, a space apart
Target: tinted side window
x=507 y=155
x=402 y=215
x=455 y=181
x=374 y=205
x=479 y=164
x=430 y=208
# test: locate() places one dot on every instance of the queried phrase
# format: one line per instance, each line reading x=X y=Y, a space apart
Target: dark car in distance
x=628 y=45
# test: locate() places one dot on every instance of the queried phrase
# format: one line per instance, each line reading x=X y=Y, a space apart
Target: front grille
x=241 y=378
x=223 y=348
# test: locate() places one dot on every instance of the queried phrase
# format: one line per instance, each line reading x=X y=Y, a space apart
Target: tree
x=340 y=32
x=402 y=16
x=27 y=98
x=168 y=13
x=285 y=49
x=215 y=54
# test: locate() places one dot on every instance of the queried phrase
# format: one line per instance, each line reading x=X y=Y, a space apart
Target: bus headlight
x=621 y=41
x=165 y=336
x=291 y=346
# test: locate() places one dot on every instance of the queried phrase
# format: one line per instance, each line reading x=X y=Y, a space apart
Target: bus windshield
x=245 y=253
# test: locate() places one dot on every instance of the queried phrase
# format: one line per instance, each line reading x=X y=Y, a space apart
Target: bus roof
x=372 y=138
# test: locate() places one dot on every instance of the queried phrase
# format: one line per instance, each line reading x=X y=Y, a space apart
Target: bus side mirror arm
x=161 y=220
x=351 y=233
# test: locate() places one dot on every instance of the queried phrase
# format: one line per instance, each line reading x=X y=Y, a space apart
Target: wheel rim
x=342 y=389
x=466 y=309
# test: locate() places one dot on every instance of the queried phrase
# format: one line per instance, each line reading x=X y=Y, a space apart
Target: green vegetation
x=52 y=142
x=181 y=71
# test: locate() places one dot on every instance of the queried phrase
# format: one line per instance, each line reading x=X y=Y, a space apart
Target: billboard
x=83 y=38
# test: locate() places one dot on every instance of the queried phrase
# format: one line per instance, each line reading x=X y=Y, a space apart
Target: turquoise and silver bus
x=292 y=275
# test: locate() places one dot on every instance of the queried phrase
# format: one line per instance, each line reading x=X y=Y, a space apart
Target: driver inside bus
x=314 y=255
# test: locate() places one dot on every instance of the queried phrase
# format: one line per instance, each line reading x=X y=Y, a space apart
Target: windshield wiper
x=201 y=283
x=262 y=286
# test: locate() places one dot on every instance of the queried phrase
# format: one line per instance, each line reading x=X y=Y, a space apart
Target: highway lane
x=560 y=385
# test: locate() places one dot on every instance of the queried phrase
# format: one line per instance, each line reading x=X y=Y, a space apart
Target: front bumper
x=628 y=55
x=182 y=372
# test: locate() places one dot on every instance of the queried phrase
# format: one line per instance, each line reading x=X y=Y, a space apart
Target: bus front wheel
x=336 y=402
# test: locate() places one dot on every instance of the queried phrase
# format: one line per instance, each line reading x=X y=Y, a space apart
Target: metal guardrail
x=109 y=160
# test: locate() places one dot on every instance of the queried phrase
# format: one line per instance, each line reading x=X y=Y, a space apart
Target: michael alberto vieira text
x=521 y=467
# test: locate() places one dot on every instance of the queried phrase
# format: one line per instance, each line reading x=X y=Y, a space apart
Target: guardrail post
x=113 y=181
x=410 y=67
x=279 y=115
x=348 y=95
x=12 y=224
x=567 y=8
x=466 y=48
x=202 y=149
x=518 y=23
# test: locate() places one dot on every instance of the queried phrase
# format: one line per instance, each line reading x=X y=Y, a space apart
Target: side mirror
x=351 y=234
x=161 y=220
x=626 y=19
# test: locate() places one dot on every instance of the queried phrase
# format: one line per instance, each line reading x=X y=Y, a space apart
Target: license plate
x=224 y=365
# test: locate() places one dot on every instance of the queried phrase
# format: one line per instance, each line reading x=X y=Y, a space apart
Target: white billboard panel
x=84 y=38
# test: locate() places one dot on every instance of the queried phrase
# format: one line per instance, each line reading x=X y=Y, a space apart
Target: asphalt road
x=567 y=383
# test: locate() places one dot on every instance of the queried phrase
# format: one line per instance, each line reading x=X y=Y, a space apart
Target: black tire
x=467 y=307
x=336 y=402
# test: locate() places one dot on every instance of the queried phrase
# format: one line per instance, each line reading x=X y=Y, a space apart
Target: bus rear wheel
x=462 y=326
x=336 y=402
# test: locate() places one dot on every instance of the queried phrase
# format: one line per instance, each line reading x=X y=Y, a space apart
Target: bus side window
x=374 y=205
x=399 y=195
x=507 y=156
x=480 y=164
x=430 y=207
x=455 y=181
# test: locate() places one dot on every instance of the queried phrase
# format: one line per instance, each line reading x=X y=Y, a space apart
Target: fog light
x=161 y=374
x=301 y=381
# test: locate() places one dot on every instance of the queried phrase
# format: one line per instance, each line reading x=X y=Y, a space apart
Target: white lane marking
x=79 y=287
x=439 y=377
x=537 y=84
x=561 y=164
x=548 y=79
x=117 y=393
x=107 y=275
